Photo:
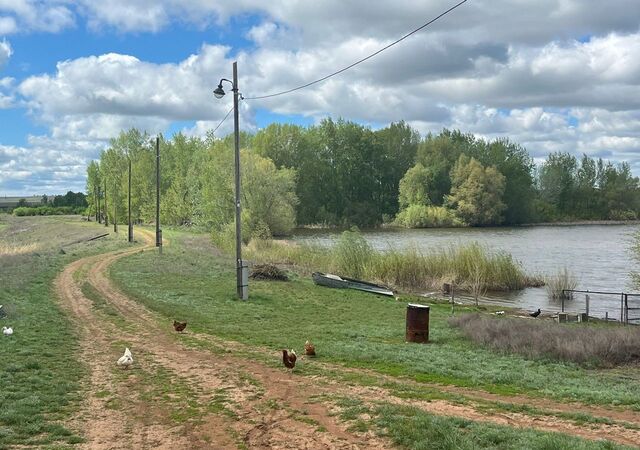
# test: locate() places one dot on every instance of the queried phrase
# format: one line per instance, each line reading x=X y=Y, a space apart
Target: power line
x=360 y=60
x=222 y=121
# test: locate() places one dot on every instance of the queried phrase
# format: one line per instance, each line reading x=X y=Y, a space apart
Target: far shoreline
x=390 y=227
x=579 y=222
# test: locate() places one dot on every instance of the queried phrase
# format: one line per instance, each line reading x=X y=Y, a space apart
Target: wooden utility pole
x=158 y=230
x=98 y=212
x=129 y=208
x=106 y=210
x=115 y=208
x=242 y=289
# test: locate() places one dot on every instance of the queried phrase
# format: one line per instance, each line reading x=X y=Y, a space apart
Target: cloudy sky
x=553 y=75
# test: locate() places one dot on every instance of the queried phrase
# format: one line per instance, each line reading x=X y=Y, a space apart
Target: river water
x=598 y=255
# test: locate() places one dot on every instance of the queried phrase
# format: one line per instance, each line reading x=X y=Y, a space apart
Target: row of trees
x=342 y=173
x=497 y=182
x=72 y=199
x=197 y=186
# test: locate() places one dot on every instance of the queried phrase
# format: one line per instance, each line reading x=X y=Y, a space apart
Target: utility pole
x=106 y=210
x=242 y=283
x=241 y=286
x=115 y=208
x=158 y=230
x=129 y=209
x=96 y=189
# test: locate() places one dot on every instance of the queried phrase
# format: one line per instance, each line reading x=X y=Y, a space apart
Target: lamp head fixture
x=219 y=92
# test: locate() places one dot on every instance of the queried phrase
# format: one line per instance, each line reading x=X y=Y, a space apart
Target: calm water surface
x=598 y=255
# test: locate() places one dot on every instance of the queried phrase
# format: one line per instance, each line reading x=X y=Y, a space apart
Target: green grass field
x=43 y=376
x=40 y=374
x=190 y=282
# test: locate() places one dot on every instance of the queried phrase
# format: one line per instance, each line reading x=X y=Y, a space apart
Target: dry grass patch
x=585 y=345
x=12 y=249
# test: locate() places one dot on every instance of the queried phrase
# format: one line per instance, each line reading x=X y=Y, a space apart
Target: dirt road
x=198 y=391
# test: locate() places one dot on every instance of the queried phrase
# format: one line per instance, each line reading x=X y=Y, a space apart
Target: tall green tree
x=268 y=193
x=399 y=148
x=179 y=193
x=620 y=192
x=512 y=161
x=439 y=154
x=93 y=187
x=415 y=186
x=557 y=181
x=476 y=192
x=587 y=203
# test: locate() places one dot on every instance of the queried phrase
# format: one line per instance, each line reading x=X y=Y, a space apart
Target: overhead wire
x=337 y=72
x=222 y=121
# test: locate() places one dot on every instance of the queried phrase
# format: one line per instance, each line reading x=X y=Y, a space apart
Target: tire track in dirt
x=214 y=372
x=152 y=344
x=544 y=405
x=103 y=427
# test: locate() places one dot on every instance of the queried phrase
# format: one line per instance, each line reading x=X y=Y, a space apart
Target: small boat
x=334 y=281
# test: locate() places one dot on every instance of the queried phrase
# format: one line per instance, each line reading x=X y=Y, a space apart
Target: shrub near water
x=422 y=216
x=556 y=285
x=590 y=346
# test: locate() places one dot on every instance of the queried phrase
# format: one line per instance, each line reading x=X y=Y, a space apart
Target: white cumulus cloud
x=553 y=75
x=5 y=52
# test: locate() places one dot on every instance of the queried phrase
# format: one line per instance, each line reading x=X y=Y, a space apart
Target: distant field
x=12 y=202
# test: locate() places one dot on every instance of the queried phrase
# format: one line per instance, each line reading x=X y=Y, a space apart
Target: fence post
x=622 y=309
x=586 y=304
x=452 y=299
x=626 y=309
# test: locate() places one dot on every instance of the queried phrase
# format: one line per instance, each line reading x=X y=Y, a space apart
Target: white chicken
x=126 y=360
x=7 y=331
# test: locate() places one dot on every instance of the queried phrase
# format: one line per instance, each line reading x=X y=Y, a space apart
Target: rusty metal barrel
x=417 y=323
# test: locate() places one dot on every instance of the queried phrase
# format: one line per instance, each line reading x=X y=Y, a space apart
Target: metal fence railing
x=628 y=313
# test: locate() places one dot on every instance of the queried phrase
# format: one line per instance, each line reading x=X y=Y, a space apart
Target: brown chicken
x=179 y=326
x=289 y=359
x=309 y=349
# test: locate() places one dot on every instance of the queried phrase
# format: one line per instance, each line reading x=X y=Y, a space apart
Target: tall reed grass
x=471 y=267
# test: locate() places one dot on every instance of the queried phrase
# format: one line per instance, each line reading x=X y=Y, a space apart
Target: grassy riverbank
x=470 y=267
x=40 y=376
x=192 y=282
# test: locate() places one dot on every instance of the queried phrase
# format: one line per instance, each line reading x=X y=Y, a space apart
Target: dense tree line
x=69 y=203
x=342 y=173
x=73 y=199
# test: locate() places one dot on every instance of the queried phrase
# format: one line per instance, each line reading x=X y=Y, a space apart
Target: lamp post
x=241 y=269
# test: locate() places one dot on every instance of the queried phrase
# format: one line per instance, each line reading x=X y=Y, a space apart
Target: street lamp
x=241 y=269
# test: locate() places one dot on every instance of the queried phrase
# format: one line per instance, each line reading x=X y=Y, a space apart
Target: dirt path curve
x=290 y=420
x=262 y=408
